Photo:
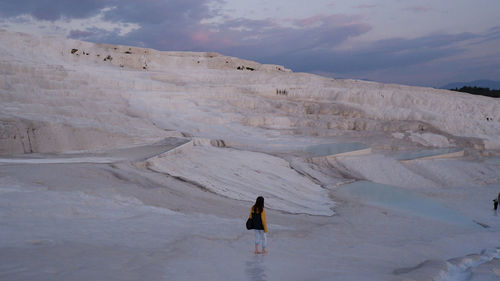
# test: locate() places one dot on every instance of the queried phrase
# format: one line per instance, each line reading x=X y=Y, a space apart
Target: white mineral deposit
x=126 y=163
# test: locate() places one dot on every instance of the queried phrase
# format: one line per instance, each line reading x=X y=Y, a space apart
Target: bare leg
x=264 y=242
x=257 y=249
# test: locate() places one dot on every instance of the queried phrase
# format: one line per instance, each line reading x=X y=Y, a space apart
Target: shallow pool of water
x=495 y=160
x=404 y=200
x=410 y=155
x=334 y=148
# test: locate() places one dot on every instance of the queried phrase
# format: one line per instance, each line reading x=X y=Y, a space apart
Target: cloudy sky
x=428 y=43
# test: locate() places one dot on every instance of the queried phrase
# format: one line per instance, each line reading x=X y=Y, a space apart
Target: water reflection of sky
x=495 y=160
x=334 y=148
x=256 y=268
x=404 y=200
x=409 y=155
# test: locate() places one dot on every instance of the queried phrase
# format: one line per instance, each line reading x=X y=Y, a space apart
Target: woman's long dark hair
x=259 y=205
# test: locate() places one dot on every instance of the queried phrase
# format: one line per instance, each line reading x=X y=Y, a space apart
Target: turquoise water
x=425 y=153
x=495 y=160
x=335 y=148
x=404 y=200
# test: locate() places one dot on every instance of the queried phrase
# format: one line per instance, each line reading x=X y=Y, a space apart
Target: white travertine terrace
x=64 y=94
x=127 y=163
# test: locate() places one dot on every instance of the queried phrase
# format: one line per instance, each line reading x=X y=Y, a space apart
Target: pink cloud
x=212 y=39
x=310 y=20
x=200 y=37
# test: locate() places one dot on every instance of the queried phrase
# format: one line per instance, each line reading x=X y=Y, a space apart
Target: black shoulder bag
x=249 y=224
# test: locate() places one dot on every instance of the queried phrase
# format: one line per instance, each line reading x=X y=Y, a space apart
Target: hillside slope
x=59 y=94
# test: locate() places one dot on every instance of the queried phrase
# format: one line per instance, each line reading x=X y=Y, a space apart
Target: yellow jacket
x=262 y=218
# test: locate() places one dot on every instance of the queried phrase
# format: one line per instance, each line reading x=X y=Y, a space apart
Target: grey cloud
x=493 y=34
x=144 y=11
x=433 y=73
x=52 y=9
x=428 y=41
x=157 y=12
x=251 y=39
x=349 y=62
x=494 y=29
x=165 y=36
x=264 y=39
x=381 y=54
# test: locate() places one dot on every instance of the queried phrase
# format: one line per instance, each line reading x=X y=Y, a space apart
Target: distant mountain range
x=493 y=85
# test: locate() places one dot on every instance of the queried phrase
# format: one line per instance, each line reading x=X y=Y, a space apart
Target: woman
x=258 y=216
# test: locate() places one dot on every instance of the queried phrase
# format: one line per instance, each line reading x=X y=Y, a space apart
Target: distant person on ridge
x=258 y=216
x=496 y=201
